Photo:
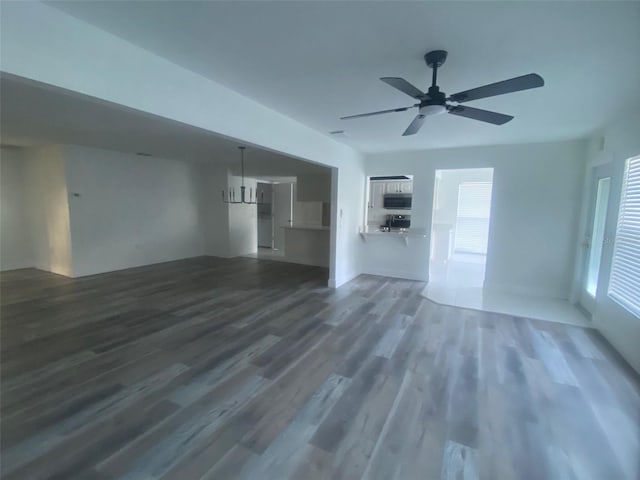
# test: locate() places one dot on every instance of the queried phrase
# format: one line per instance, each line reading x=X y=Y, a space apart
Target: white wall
x=282 y=207
x=127 y=210
x=619 y=326
x=48 y=209
x=109 y=68
x=307 y=246
x=90 y=211
x=16 y=250
x=347 y=215
x=213 y=214
x=228 y=230
x=314 y=187
x=535 y=206
x=306 y=212
x=243 y=220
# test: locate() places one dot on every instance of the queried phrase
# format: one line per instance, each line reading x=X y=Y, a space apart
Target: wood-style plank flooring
x=246 y=369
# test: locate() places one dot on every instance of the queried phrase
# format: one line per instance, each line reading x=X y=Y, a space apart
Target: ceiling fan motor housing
x=435 y=58
x=434 y=103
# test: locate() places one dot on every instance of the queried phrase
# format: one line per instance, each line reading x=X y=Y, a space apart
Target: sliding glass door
x=595 y=234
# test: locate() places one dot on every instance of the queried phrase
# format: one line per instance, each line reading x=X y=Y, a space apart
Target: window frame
x=622 y=285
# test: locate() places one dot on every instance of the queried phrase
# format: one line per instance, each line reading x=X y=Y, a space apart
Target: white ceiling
x=36 y=114
x=317 y=61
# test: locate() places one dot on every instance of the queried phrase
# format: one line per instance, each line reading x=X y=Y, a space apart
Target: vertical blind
x=472 y=218
x=624 y=283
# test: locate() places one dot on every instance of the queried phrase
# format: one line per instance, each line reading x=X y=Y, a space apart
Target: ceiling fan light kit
x=433 y=109
x=434 y=102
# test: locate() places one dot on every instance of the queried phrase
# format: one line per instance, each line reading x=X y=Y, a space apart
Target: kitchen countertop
x=394 y=232
x=403 y=234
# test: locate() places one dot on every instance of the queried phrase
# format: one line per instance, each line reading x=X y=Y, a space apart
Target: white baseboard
x=384 y=272
x=528 y=291
x=333 y=283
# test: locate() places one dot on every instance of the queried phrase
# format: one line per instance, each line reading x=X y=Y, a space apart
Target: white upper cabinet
x=406 y=186
x=399 y=186
x=376 y=194
x=393 y=187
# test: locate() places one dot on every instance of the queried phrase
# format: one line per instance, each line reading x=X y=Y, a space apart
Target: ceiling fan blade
x=404 y=86
x=525 y=82
x=415 y=125
x=401 y=109
x=482 y=115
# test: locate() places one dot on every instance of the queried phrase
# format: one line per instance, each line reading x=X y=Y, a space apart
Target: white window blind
x=624 y=283
x=472 y=218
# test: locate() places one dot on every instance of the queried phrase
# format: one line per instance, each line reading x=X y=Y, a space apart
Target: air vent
x=339 y=133
x=143 y=154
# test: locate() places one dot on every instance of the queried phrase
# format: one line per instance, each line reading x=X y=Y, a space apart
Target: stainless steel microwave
x=397 y=201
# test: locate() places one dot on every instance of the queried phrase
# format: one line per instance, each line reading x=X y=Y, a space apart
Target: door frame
x=281 y=216
x=448 y=237
x=596 y=173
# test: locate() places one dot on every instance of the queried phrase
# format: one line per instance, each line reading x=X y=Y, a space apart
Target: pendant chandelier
x=230 y=197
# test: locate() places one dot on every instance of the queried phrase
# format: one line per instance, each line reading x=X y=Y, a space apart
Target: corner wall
x=16 y=250
x=214 y=215
x=80 y=211
x=618 y=325
x=228 y=230
x=127 y=210
x=243 y=219
x=347 y=207
x=535 y=208
x=48 y=209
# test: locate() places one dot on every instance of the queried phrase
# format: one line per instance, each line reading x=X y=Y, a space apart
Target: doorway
x=460 y=226
x=274 y=214
x=282 y=213
x=265 y=216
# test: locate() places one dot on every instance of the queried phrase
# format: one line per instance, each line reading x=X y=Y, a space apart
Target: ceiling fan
x=433 y=101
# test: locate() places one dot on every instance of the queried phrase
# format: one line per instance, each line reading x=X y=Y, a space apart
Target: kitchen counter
x=371 y=230
x=402 y=233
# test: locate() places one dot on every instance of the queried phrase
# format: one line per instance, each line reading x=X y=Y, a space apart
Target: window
x=624 y=283
x=472 y=219
x=597 y=235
